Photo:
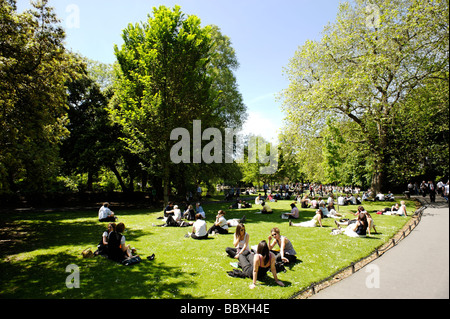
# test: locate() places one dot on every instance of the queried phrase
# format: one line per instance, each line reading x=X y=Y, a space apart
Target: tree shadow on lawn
x=45 y=276
x=25 y=235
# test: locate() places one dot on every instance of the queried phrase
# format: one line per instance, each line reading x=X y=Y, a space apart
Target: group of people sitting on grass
x=112 y=244
x=358 y=227
x=253 y=262
x=220 y=226
x=173 y=217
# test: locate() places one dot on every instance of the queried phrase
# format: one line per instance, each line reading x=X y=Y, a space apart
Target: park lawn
x=36 y=248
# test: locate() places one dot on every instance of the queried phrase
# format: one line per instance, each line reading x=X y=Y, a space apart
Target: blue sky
x=264 y=33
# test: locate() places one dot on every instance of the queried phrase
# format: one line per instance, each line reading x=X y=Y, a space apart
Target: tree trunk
x=119 y=178
x=90 y=181
x=377 y=182
x=380 y=160
x=166 y=182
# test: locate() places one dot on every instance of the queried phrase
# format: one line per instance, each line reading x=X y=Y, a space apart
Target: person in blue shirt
x=199 y=210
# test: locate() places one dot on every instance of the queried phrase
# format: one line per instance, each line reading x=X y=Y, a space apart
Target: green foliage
x=33 y=71
x=172 y=72
x=365 y=69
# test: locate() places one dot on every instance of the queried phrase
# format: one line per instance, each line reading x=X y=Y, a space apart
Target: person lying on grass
x=354 y=228
x=314 y=222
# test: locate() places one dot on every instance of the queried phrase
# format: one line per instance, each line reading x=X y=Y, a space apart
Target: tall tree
x=365 y=67
x=166 y=81
x=33 y=71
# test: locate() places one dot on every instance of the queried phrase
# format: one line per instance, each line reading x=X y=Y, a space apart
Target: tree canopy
x=34 y=69
x=361 y=75
x=367 y=104
x=172 y=72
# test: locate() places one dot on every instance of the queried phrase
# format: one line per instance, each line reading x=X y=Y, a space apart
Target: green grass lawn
x=36 y=248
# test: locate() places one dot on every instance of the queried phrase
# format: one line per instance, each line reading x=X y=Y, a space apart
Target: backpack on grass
x=131 y=261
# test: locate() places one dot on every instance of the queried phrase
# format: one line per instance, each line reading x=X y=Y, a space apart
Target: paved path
x=416 y=268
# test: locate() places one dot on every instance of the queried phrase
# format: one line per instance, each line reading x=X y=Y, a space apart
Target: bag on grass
x=279 y=266
x=87 y=253
x=131 y=261
x=236 y=273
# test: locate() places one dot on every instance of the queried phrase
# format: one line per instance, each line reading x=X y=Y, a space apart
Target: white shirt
x=223 y=222
x=341 y=200
x=103 y=212
x=177 y=214
x=200 y=228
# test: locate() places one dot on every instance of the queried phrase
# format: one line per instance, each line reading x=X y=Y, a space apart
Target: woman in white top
x=240 y=243
x=315 y=222
x=127 y=249
x=221 y=224
x=396 y=210
x=402 y=210
x=102 y=247
x=258 y=200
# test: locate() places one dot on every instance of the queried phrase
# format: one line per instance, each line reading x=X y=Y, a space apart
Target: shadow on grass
x=45 y=277
x=27 y=235
x=292 y=265
x=270 y=282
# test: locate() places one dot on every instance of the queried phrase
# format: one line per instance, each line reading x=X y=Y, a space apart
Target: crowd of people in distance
x=431 y=189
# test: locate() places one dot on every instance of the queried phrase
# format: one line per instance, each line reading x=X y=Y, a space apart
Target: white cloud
x=261 y=125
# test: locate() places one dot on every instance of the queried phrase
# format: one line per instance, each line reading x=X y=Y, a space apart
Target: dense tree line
x=68 y=123
x=367 y=104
